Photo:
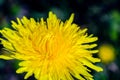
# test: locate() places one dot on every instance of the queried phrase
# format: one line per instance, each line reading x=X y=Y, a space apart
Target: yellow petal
x=21 y=70
x=5 y=57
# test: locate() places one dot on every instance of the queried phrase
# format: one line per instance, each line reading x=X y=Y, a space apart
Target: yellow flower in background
x=107 y=53
x=51 y=49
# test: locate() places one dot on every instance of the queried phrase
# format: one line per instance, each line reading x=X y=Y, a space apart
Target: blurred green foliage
x=114 y=25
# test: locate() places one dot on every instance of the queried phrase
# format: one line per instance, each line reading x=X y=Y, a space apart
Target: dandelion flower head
x=107 y=53
x=50 y=49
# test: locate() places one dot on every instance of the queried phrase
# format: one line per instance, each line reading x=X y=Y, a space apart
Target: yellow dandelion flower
x=107 y=53
x=51 y=49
